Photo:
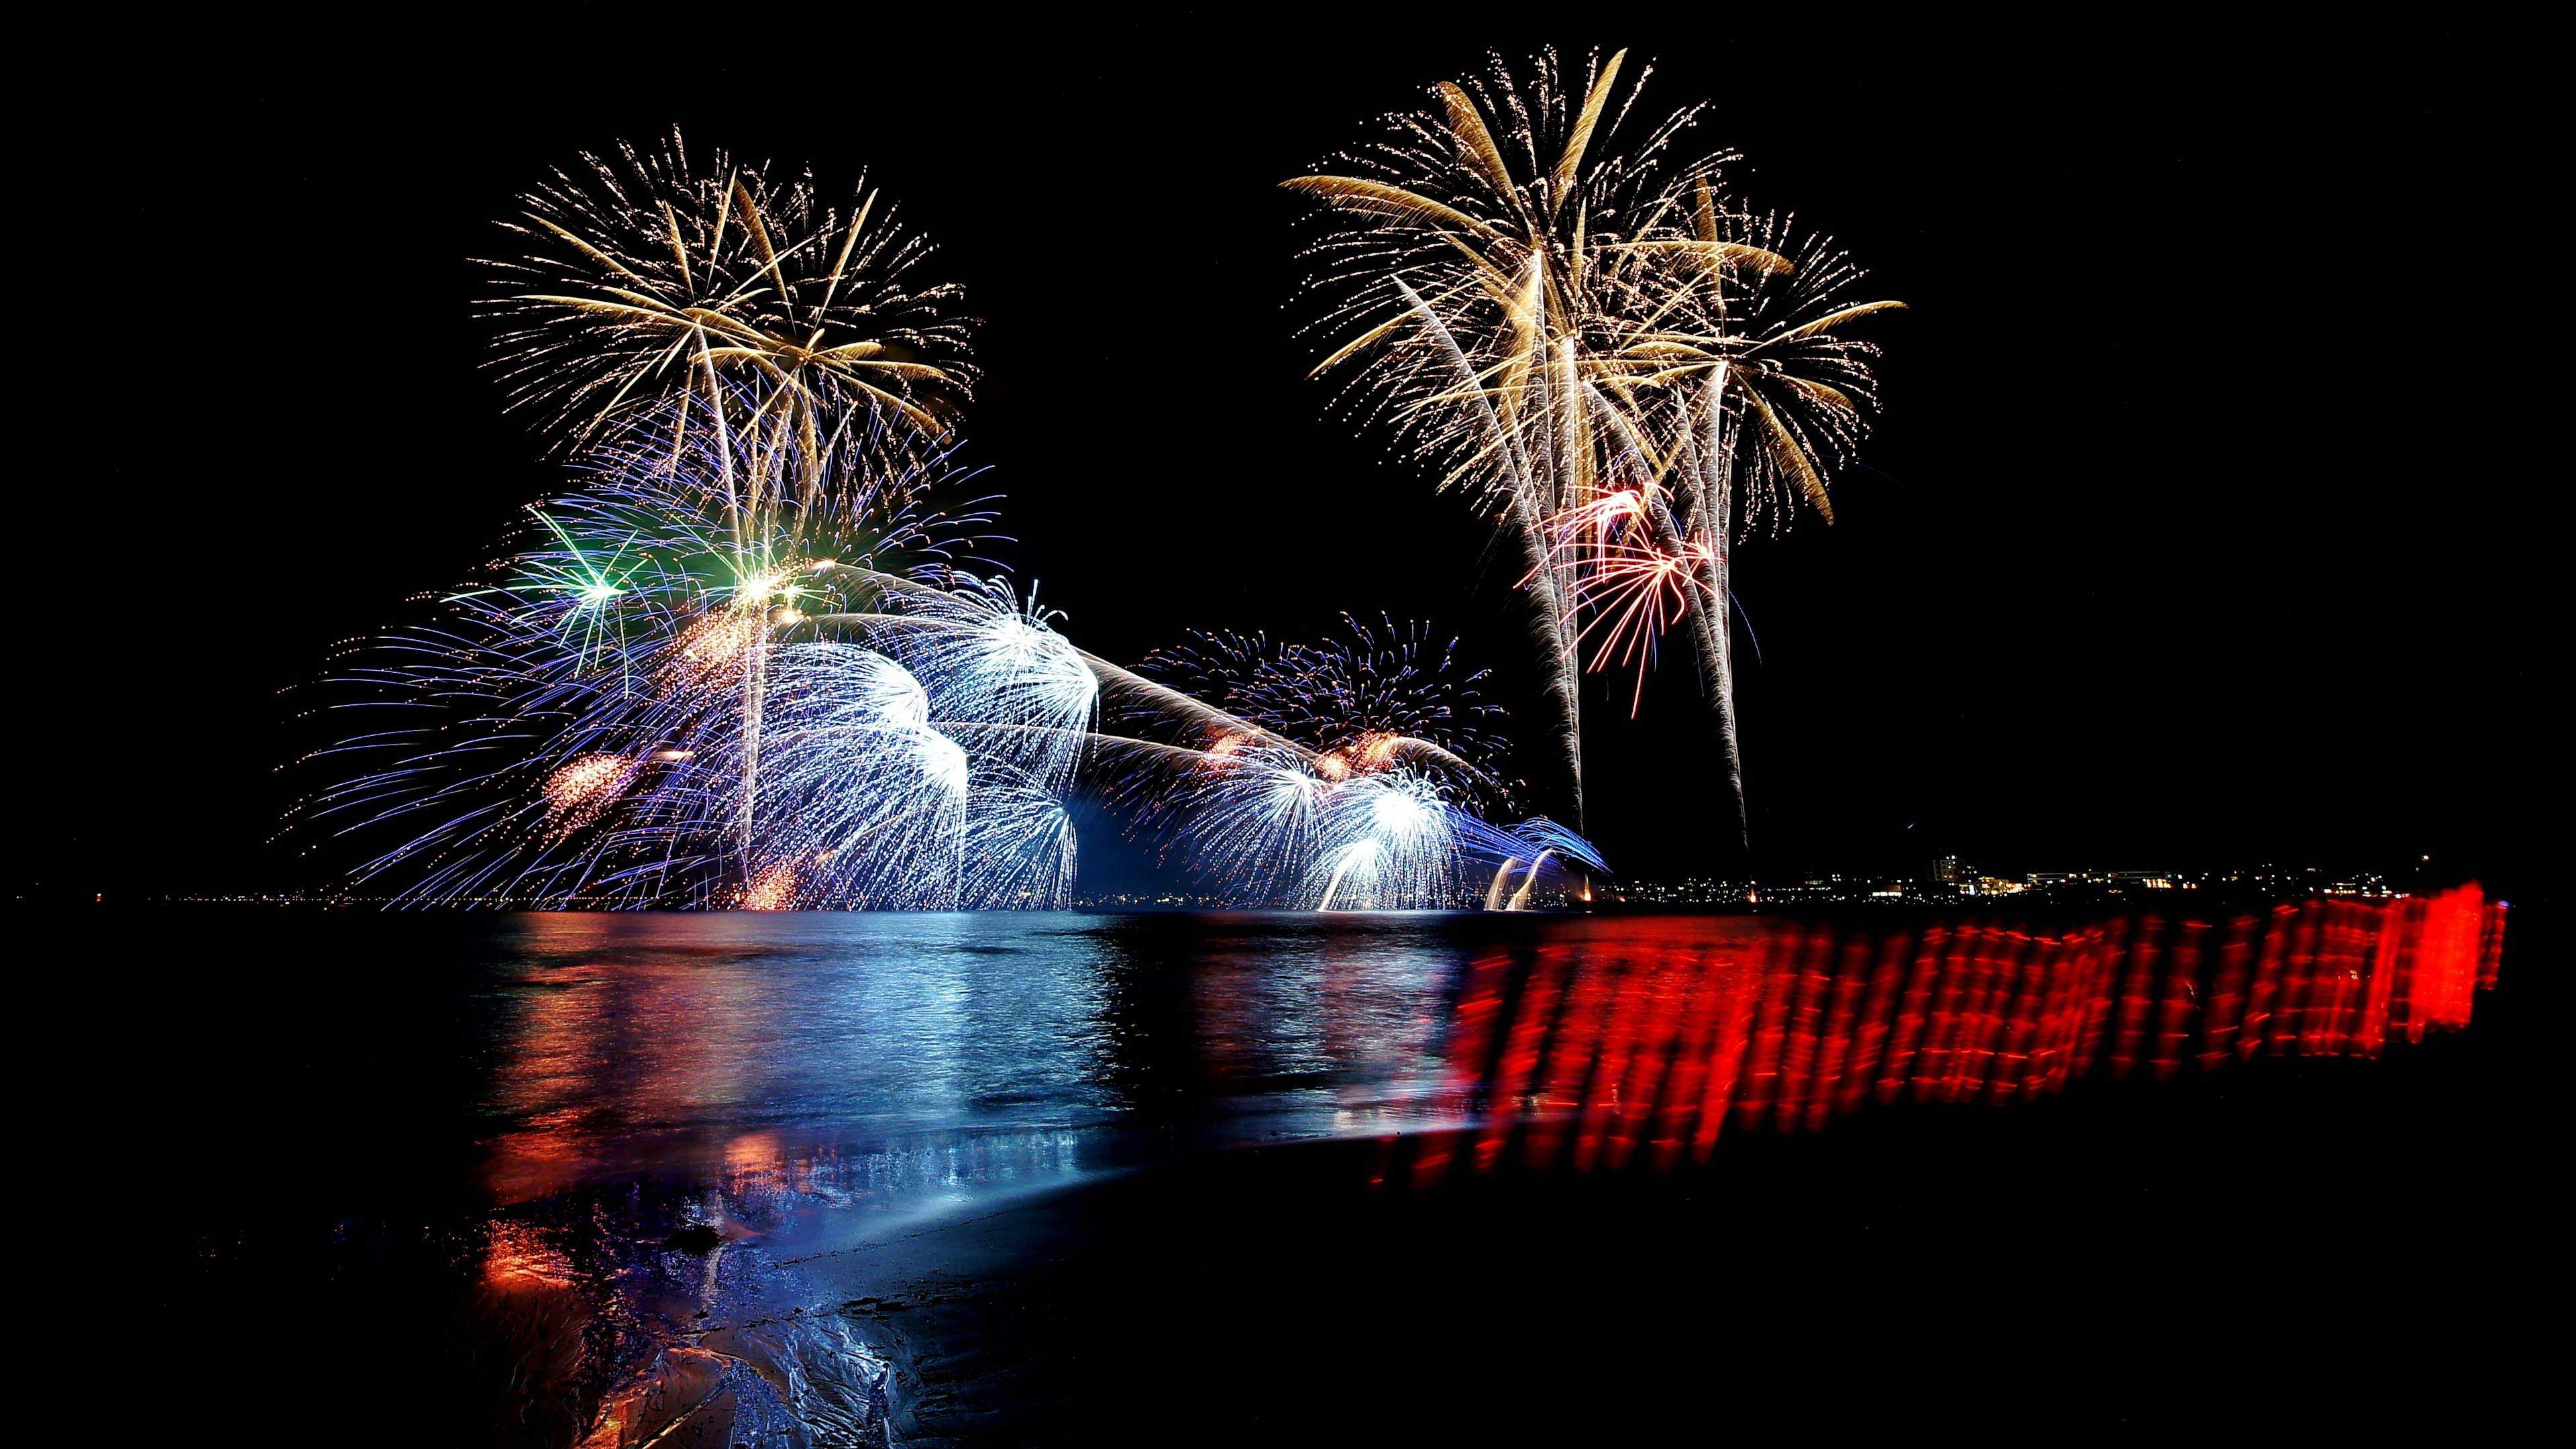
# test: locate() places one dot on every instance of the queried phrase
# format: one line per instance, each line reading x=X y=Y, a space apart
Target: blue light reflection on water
x=892 y=1062
x=663 y=1129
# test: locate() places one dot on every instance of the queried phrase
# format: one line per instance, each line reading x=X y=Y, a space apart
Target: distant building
x=1950 y=870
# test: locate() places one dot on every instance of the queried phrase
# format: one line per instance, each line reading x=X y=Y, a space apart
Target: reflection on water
x=865 y=1060
x=706 y=1137
x=1644 y=1043
x=722 y=1044
x=699 y=1130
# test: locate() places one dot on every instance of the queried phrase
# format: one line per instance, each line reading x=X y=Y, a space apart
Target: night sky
x=2201 y=525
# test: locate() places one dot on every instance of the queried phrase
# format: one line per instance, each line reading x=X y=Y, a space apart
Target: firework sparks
x=1379 y=695
x=648 y=272
x=823 y=712
x=582 y=789
x=1341 y=775
x=742 y=663
x=1576 y=327
x=1632 y=593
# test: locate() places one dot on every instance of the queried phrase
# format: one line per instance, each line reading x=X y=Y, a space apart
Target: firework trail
x=1378 y=695
x=1269 y=824
x=1579 y=330
x=642 y=709
x=1347 y=773
x=648 y=272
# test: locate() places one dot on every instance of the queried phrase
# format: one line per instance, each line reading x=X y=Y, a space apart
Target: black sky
x=2202 y=525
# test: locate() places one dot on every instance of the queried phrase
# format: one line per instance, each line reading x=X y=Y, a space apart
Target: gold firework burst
x=646 y=273
x=1584 y=333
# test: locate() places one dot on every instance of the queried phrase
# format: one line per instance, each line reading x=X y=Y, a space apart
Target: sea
x=804 y=1179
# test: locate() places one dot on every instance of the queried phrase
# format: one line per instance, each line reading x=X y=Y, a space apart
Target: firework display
x=746 y=663
x=1350 y=772
x=645 y=272
x=1579 y=327
x=659 y=703
x=1381 y=695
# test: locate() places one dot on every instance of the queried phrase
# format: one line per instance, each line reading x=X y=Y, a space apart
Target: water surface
x=895 y=1055
x=560 y=1165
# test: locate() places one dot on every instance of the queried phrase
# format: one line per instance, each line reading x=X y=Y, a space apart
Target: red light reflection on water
x=1650 y=1035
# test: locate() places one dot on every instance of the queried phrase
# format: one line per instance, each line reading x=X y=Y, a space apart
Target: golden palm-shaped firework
x=1738 y=399
x=1627 y=370
x=1475 y=256
x=646 y=275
